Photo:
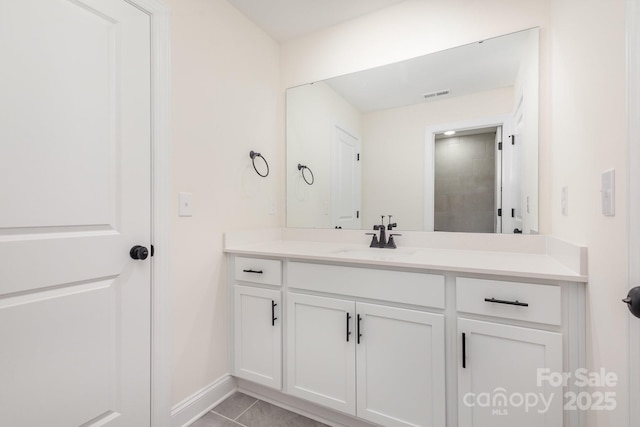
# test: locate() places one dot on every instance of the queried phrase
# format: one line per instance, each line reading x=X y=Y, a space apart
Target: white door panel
x=258 y=337
x=75 y=185
x=65 y=340
x=321 y=354
x=400 y=350
x=345 y=180
x=58 y=138
x=489 y=370
x=499 y=173
x=515 y=169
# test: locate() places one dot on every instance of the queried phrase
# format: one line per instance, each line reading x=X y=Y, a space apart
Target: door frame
x=633 y=195
x=160 y=386
x=505 y=121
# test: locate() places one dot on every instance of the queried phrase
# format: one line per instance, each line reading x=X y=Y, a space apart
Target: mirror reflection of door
x=517 y=165
x=346 y=179
x=467 y=189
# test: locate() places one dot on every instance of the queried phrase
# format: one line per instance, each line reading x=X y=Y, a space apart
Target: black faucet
x=382 y=241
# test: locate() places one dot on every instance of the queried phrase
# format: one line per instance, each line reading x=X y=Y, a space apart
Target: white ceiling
x=287 y=19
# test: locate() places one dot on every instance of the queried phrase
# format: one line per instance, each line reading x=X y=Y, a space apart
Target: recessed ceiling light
x=450 y=132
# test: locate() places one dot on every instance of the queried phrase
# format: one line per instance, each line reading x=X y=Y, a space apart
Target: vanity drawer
x=385 y=285
x=258 y=270
x=510 y=300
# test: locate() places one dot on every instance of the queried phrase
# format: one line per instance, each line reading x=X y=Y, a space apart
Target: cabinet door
x=320 y=351
x=258 y=335
x=401 y=368
x=498 y=378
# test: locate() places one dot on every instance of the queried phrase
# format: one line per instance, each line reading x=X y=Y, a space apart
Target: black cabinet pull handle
x=273 y=313
x=499 y=301
x=358 y=328
x=464 y=350
x=348 y=321
x=253 y=271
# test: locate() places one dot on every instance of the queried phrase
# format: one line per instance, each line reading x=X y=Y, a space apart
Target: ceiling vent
x=437 y=93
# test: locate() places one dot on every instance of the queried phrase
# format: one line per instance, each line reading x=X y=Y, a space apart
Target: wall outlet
x=185 y=201
x=608 y=192
x=564 y=200
x=273 y=208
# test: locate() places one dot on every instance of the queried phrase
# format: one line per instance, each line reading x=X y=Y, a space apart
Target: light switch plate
x=608 y=192
x=186 y=204
x=564 y=200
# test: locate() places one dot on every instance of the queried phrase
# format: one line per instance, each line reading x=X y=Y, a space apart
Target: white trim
x=429 y=151
x=633 y=141
x=195 y=406
x=161 y=211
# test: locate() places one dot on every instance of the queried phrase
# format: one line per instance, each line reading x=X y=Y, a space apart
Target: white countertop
x=534 y=264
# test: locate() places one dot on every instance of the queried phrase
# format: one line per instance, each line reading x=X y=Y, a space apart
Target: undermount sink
x=377 y=253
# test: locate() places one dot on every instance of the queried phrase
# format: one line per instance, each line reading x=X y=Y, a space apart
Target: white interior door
x=345 y=180
x=75 y=191
x=633 y=181
x=515 y=146
x=498 y=167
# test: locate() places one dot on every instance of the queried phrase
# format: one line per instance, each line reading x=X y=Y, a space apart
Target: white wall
x=394 y=142
x=589 y=136
x=226 y=101
x=312 y=113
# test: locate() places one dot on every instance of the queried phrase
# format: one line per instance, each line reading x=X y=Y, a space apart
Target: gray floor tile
x=214 y=420
x=234 y=405
x=263 y=414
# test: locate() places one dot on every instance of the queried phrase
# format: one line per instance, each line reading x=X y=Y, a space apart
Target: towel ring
x=253 y=156
x=303 y=168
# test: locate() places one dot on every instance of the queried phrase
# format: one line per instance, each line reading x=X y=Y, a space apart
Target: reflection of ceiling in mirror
x=463 y=70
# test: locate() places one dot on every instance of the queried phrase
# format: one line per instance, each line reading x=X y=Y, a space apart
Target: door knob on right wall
x=633 y=301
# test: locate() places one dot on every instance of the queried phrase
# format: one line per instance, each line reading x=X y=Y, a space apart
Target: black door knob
x=139 y=252
x=633 y=301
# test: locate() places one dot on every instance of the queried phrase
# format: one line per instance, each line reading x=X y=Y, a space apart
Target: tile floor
x=246 y=411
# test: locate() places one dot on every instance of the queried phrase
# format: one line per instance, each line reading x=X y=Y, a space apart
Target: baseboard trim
x=195 y=406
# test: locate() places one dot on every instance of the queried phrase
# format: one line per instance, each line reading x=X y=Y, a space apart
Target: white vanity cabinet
x=501 y=374
x=321 y=362
x=378 y=341
x=400 y=366
x=257 y=350
x=391 y=358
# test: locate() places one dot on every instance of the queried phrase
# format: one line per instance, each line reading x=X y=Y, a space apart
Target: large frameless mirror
x=443 y=142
